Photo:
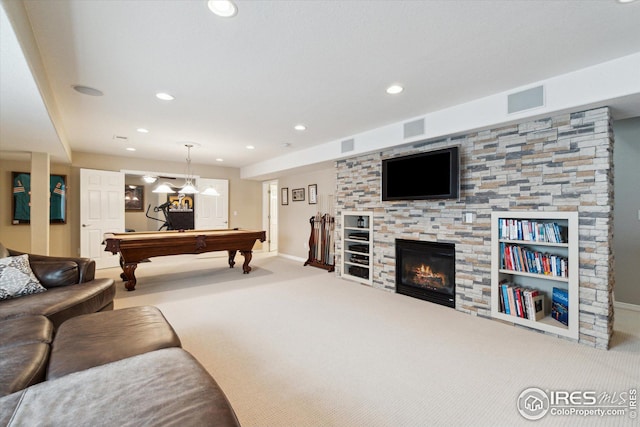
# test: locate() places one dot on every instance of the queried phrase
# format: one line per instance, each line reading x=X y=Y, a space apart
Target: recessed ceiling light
x=143 y=130
x=165 y=96
x=223 y=8
x=219 y=160
x=86 y=90
x=300 y=127
x=626 y=1
x=250 y=147
x=394 y=89
x=130 y=149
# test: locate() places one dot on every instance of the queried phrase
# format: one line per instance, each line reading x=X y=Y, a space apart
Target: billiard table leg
x=232 y=257
x=129 y=270
x=247 y=258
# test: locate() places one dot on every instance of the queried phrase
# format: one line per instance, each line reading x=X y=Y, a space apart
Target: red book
x=518 y=298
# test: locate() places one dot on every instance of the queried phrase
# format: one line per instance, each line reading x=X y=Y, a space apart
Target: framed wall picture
x=313 y=194
x=297 y=194
x=284 y=195
x=21 y=201
x=134 y=198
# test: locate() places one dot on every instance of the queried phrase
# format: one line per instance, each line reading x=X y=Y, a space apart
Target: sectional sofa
x=68 y=358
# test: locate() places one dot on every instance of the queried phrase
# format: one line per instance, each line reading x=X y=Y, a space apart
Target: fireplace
x=426 y=270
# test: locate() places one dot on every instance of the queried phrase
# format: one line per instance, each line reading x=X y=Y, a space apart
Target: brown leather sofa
x=28 y=323
x=121 y=367
x=72 y=289
x=67 y=358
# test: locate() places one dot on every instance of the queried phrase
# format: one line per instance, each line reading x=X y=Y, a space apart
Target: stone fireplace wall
x=558 y=163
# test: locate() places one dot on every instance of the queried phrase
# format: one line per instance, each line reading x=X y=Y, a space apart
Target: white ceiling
x=249 y=79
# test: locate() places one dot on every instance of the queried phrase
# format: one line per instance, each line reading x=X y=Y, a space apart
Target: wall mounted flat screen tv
x=428 y=175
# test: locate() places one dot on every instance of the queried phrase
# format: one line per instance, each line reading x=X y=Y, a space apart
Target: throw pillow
x=17 y=278
x=55 y=273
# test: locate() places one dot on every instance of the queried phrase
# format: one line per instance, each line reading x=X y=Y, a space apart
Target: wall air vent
x=414 y=128
x=526 y=99
x=347 y=145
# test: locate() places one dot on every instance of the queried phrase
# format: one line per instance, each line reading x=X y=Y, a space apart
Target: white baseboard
x=626 y=306
x=292 y=257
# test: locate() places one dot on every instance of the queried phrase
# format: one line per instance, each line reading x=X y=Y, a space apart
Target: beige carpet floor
x=297 y=346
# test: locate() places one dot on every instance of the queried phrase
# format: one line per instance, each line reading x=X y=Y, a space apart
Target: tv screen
x=429 y=175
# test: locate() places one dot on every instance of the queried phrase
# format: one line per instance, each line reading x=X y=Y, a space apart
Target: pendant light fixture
x=188 y=187
x=163 y=188
x=210 y=191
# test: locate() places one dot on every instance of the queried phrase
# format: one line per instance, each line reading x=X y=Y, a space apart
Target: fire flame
x=426 y=276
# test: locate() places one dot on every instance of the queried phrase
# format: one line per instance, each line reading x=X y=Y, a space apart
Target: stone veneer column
x=557 y=163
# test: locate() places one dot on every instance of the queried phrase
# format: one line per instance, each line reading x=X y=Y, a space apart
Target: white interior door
x=212 y=212
x=101 y=211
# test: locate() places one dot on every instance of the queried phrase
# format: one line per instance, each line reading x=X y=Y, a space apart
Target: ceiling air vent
x=120 y=138
x=414 y=128
x=347 y=145
x=526 y=99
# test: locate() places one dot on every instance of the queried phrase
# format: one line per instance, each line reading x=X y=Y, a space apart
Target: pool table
x=136 y=247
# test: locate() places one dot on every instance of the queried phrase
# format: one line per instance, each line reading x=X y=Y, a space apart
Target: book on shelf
x=521 y=302
x=560 y=305
x=504 y=293
x=512 y=300
x=521 y=259
x=516 y=301
x=531 y=231
x=538 y=307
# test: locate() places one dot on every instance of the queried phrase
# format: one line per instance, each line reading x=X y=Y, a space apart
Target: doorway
x=198 y=211
x=102 y=200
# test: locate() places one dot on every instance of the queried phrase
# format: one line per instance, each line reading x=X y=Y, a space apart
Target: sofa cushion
x=86 y=266
x=17 y=278
x=166 y=387
x=25 y=330
x=62 y=303
x=87 y=341
x=8 y=404
x=22 y=365
x=24 y=352
x=55 y=273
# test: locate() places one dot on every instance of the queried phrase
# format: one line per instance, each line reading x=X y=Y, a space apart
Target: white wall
x=626 y=238
x=293 y=219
